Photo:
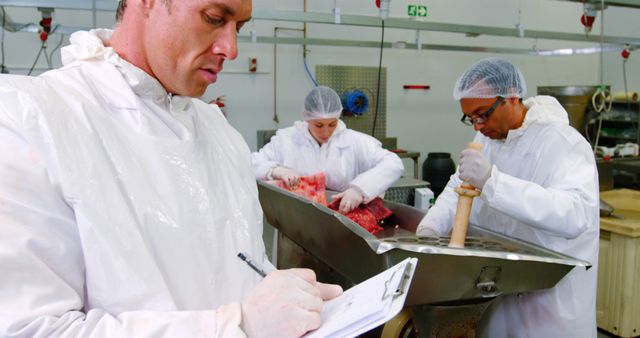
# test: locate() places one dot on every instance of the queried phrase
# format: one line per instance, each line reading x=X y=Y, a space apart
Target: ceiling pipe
x=359 y=20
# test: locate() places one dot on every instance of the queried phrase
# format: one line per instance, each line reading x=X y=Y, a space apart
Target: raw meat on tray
x=367 y=215
x=311 y=187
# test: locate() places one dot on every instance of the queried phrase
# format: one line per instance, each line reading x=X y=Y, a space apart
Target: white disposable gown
x=543 y=189
x=349 y=158
x=122 y=208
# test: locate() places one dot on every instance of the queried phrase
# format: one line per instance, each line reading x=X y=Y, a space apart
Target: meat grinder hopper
x=451 y=286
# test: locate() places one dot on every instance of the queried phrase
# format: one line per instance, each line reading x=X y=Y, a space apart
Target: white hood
x=87 y=45
x=544 y=109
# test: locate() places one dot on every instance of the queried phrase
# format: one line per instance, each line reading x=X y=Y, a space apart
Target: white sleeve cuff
x=270 y=172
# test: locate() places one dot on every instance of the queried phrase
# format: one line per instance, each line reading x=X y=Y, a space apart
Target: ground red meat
x=312 y=187
x=367 y=215
x=378 y=209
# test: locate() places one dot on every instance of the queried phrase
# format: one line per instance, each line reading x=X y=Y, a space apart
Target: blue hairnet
x=322 y=103
x=489 y=78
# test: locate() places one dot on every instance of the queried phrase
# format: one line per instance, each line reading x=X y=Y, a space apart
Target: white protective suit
x=349 y=159
x=543 y=189
x=122 y=208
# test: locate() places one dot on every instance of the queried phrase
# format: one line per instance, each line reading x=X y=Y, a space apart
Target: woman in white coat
x=354 y=163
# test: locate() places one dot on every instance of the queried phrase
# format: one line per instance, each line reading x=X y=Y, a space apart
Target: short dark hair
x=120 y=10
x=122 y=4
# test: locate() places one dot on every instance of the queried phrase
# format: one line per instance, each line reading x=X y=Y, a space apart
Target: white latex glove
x=287 y=303
x=351 y=199
x=288 y=176
x=474 y=168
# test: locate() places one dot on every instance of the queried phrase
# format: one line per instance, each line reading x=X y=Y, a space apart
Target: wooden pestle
x=466 y=193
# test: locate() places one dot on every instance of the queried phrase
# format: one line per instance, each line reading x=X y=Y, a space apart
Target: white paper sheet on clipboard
x=368 y=304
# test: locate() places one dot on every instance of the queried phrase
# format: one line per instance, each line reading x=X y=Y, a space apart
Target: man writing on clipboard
x=124 y=200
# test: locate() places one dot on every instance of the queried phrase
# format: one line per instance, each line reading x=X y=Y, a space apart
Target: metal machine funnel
x=341 y=251
x=576 y=100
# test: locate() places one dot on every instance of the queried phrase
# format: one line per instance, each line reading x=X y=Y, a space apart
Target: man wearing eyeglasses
x=538 y=182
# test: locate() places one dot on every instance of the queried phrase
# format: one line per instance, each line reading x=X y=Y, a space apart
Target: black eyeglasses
x=483 y=117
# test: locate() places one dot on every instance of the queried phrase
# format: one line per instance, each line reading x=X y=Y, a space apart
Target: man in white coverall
x=539 y=183
x=124 y=201
x=354 y=163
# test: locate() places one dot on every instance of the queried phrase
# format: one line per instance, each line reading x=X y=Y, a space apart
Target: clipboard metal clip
x=390 y=290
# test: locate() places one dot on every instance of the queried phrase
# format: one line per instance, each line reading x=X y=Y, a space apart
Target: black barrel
x=437 y=169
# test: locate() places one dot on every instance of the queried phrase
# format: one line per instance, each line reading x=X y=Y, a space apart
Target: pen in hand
x=251 y=264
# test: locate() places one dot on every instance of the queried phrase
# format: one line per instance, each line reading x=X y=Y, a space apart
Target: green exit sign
x=417 y=10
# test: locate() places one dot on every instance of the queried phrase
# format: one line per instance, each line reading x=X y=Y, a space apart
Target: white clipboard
x=368 y=304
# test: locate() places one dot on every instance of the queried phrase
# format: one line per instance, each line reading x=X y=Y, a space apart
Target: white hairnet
x=489 y=78
x=322 y=103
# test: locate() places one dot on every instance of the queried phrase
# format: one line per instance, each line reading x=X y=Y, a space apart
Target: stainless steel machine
x=451 y=287
x=576 y=100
